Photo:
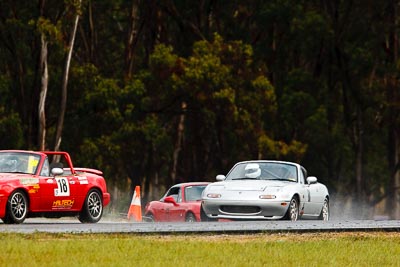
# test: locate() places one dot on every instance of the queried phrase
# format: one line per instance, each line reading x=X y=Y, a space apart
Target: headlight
x=211 y=195
x=267 y=196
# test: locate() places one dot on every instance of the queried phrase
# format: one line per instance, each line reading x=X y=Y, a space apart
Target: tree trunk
x=358 y=144
x=43 y=93
x=88 y=36
x=393 y=201
x=132 y=38
x=178 y=143
x=65 y=83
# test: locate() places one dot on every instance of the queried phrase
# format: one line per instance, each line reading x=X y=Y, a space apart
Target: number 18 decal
x=62 y=187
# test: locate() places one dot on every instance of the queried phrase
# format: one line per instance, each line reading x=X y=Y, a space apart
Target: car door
x=159 y=211
x=176 y=210
x=60 y=192
x=316 y=198
x=305 y=193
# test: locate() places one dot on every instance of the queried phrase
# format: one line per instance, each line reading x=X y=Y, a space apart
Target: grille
x=240 y=209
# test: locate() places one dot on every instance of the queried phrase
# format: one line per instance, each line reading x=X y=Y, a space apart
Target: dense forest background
x=158 y=92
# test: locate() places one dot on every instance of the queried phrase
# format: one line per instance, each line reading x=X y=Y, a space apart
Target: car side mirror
x=170 y=199
x=220 y=177
x=57 y=171
x=311 y=180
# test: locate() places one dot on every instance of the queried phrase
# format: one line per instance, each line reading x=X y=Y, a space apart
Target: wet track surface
x=244 y=227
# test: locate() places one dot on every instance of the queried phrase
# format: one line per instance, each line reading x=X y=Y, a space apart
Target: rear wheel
x=292 y=213
x=17 y=207
x=92 y=209
x=325 y=211
x=190 y=217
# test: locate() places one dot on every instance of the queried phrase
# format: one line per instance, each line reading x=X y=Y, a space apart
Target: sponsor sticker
x=33 y=191
x=29 y=181
x=63 y=204
x=62 y=187
x=82 y=180
x=32 y=164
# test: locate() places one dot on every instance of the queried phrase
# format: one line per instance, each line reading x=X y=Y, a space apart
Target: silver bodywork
x=252 y=193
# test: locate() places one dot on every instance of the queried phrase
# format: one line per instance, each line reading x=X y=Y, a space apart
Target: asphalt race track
x=72 y=225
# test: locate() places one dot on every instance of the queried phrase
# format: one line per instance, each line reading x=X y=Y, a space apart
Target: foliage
x=10 y=130
x=166 y=91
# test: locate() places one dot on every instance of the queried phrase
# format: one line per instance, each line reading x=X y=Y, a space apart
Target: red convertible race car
x=180 y=203
x=32 y=187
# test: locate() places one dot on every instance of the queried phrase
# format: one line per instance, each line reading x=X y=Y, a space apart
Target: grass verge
x=285 y=249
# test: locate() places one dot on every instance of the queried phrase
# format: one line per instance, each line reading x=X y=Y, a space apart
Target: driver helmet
x=11 y=165
x=252 y=170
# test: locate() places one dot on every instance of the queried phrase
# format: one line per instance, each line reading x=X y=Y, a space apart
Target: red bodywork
x=48 y=195
x=177 y=204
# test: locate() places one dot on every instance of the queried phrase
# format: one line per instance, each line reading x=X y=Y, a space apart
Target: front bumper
x=245 y=210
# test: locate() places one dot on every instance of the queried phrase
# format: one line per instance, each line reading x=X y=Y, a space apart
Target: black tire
x=17 y=207
x=292 y=213
x=325 y=212
x=92 y=209
x=204 y=217
x=149 y=217
x=190 y=217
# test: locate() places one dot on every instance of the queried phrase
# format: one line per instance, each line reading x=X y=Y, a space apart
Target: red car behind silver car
x=181 y=203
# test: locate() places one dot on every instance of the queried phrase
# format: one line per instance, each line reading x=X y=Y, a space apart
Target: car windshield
x=19 y=162
x=193 y=193
x=263 y=171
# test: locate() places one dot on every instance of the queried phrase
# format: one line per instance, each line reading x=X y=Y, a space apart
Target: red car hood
x=13 y=176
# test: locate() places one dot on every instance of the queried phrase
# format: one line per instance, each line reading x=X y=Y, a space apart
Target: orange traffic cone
x=135 y=210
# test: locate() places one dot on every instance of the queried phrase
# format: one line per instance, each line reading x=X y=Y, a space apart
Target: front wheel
x=92 y=209
x=204 y=217
x=17 y=208
x=148 y=217
x=292 y=213
x=324 y=215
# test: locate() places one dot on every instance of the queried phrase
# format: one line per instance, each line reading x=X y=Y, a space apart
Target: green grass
x=288 y=249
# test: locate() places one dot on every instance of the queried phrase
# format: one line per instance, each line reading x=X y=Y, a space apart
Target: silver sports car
x=263 y=190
